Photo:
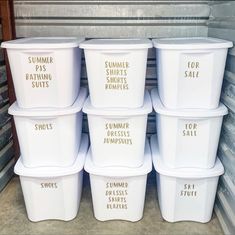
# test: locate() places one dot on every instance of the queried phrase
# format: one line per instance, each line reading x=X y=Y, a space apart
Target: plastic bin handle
x=115 y=52
x=43 y=118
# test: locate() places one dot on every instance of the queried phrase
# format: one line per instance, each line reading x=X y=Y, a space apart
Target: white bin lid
x=195 y=113
x=193 y=173
x=145 y=109
x=191 y=43
x=49 y=112
x=40 y=172
x=91 y=168
x=117 y=44
x=43 y=43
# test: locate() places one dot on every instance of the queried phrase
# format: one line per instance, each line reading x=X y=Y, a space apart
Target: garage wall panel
x=222 y=25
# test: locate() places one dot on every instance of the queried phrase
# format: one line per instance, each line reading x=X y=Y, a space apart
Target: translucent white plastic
x=49 y=137
x=116 y=70
x=118 y=193
x=190 y=71
x=45 y=71
x=53 y=192
x=185 y=194
x=187 y=138
x=118 y=135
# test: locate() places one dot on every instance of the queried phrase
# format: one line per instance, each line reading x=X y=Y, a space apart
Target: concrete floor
x=13 y=218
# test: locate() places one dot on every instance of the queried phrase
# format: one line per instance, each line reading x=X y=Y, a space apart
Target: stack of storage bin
x=48 y=119
x=189 y=118
x=119 y=158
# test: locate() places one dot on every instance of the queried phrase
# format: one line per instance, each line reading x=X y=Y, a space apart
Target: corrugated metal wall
x=110 y=18
x=6 y=144
x=222 y=25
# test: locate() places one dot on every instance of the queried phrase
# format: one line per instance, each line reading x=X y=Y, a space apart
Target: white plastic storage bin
x=118 y=193
x=187 y=138
x=185 y=194
x=49 y=137
x=53 y=192
x=116 y=71
x=118 y=135
x=190 y=71
x=45 y=71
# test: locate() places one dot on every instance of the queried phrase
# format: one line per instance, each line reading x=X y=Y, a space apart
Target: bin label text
x=117 y=133
x=190 y=129
x=116 y=75
x=116 y=195
x=40 y=71
x=189 y=190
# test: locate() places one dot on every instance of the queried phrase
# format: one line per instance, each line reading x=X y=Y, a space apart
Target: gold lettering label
x=192 y=70
x=190 y=129
x=40 y=67
x=117 y=133
x=43 y=127
x=188 y=190
x=116 y=75
x=116 y=195
x=51 y=185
